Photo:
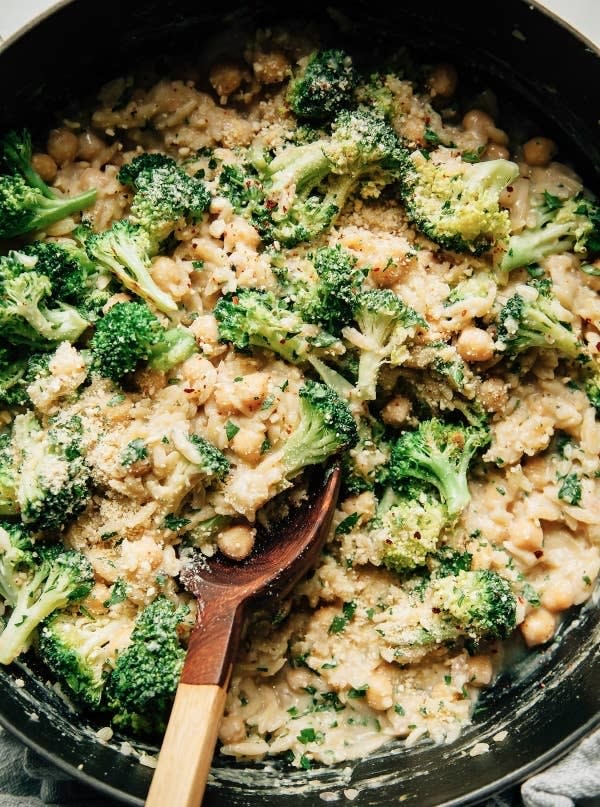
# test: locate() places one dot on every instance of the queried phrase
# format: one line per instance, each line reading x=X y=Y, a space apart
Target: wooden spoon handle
x=187 y=750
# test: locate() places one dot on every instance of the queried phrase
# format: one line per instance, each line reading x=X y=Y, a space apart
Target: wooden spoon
x=224 y=589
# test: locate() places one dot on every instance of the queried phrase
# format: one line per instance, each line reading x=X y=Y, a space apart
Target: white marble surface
x=581 y=14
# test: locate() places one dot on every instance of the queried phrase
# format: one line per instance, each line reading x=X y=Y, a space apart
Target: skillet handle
x=188 y=746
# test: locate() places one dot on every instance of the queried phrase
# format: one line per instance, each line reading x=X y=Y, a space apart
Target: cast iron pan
x=548 y=699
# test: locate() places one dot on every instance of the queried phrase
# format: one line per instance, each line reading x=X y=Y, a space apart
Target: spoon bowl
x=224 y=589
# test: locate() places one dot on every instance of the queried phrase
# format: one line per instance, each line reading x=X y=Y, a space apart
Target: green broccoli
x=9 y=505
x=307 y=186
x=448 y=561
x=385 y=323
x=164 y=195
x=25 y=318
x=53 y=478
x=562 y=225
x=74 y=277
x=16 y=559
x=55 y=577
x=329 y=302
x=140 y=689
x=12 y=371
x=438 y=453
x=129 y=334
x=124 y=250
x=323 y=87
x=455 y=203
x=481 y=602
x=257 y=319
x=206 y=530
x=26 y=202
x=531 y=318
x=407 y=526
x=326 y=427
x=201 y=463
x=81 y=650
x=373 y=94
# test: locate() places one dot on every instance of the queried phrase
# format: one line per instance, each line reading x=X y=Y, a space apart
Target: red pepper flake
x=436 y=610
x=418 y=535
x=509 y=188
x=270 y=204
x=189 y=389
x=388 y=540
x=538 y=553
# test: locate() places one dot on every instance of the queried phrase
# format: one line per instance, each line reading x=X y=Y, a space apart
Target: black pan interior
x=551 y=697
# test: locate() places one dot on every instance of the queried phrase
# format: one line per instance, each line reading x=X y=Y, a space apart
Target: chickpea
x=558 y=596
x=442 y=80
x=247 y=444
x=493 y=394
x=244 y=396
x=171 y=276
x=62 y=146
x=539 y=151
x=495 y=152
x=475 y=344
x=379 y=693
x=527 y=534
x=198 y=379
x=396 y=411
x=45 y=166
x=480 y=670
x=538 y=627
x=478 y=121
x=236 y=543
x=271 y=68
x=89 y=146
x=226 y=78
x=232 y=729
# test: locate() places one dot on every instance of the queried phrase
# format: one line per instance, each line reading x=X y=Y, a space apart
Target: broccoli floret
x=323 y=87
x=385 y=323
x=481 y=602
x=53 y=478
x=456 y=203
x=407 y=526
x=124 y=250
x=307 y=186
x=26 y=202
x=55 y=578
x=25 y=318
x=74 y=277
x=164 y=195
x=214 y=464
x=12 y=371
x=531 y=318
x=17 y=373
x=129 y=334
x=374 y=95
x=561 y=225
x=448 y=561
x=16 y=548
x=438 y=453
x=140 y=689
x=257 y=319
x=206 y=530
x=81 y=649
x=200 y=463
x=326 y=427
x=9 y=505
x=330 y=301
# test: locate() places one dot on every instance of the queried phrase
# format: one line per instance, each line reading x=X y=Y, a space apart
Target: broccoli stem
x=25 y=617
x=53 y=209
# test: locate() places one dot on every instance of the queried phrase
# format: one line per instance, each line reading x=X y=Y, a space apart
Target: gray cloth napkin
x=27 y=780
